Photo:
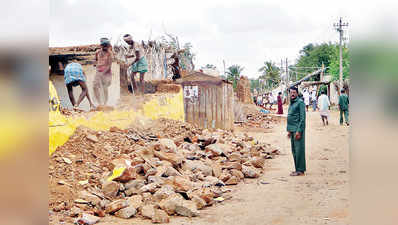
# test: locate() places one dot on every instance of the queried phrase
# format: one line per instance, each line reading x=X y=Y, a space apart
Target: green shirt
x=296 y=116
x=343 y=102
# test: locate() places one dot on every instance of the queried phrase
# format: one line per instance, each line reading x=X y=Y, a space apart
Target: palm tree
x=233 y=73
x=270 y=73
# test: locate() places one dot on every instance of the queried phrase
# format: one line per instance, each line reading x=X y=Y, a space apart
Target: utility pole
x=288 y=83
x=339 y=27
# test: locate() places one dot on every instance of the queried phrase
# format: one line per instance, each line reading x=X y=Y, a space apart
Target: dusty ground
x=320 y=197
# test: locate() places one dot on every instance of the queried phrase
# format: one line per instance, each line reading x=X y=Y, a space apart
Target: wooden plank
x=208 y=108
x=219 y=108
x=222 y=107
x=227 y=107
x=213 y=107
x=232 y=106
x=189 y=112
x=225 y=112
x=202 y=107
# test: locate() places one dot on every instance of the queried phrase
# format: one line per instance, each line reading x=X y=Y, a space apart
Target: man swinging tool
x=139 y=65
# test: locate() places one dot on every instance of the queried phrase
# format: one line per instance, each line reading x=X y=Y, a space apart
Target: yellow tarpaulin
x=61 y=127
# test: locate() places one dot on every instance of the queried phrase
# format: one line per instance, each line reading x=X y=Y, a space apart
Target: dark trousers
x=298 y=151
x=345 y=112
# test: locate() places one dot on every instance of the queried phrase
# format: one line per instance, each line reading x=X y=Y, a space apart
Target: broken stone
x=232 y=181
x=151 y=172
x=182 y=184
x=160 y=217
x=148 y=211
x=115 y=129
x=214 y=181
x=93 y=199
x=87 y=219
x=257 y=162
x=134 y=183
x=170 y=171
x=128 y=174
x=155 y=179
x=200 y=203
x=169 y=204
x=66 y=160
x=250 y=172
x=147 y=197
x=99 y=213
x=110 y=189
x=237 y=173
x=163 y=193
x=135 y=201
x=232 y=165
x=207 y=195
x=196 y=165
x=116 y=205
x=152 y=187
x=167 y=145
x=187 y=208
x=92 y=138
x=216 y=170
x=75 y=211
x=173 y=158
x=127 y=212
x=225 y=176
x=214 y=150
x=234 y=157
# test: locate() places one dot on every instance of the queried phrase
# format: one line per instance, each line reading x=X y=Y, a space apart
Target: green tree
x=313 y=56
x=270 y=73
x=254 y=85
x=233 y=73
x=334 y=67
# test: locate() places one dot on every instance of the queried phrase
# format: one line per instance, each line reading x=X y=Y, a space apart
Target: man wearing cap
x=139 y=65
x=296 y=131
x=343 y=106
x=103 y=76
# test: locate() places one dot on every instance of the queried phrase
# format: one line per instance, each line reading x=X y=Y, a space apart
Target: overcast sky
x=246 y=32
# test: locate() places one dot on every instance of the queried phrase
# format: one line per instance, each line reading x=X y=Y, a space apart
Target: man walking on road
x=324 y=104
x=296 y=131
x=343 y=106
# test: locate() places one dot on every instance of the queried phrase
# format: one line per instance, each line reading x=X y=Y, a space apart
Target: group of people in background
x=310 y=98
x=265 y=99
x=75 y=76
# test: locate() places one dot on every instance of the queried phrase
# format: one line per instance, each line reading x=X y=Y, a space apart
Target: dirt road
x=320 y=197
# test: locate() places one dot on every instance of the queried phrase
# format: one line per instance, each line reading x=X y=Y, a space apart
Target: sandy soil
x=320 y=197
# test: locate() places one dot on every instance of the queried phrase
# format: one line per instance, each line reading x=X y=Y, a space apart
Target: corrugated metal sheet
x=208 y=101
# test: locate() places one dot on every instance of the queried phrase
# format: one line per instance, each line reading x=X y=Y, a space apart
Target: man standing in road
x=296 y=131
x=343 y=106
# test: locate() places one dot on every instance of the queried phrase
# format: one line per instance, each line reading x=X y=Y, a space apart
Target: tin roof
x=197 y=77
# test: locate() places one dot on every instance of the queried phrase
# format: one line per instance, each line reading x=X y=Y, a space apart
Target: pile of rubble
x=253 y=117
x=153 y=170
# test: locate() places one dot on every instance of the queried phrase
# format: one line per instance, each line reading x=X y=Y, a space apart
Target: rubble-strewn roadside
x=153 y=170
